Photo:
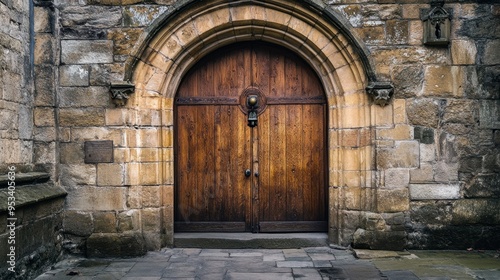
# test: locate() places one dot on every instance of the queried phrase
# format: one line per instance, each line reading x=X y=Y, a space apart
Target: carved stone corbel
x=121 y=92
x=381 y=92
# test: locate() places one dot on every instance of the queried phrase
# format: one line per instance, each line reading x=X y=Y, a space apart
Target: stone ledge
x=31 y=194
x=434 y=191
x=25 y=178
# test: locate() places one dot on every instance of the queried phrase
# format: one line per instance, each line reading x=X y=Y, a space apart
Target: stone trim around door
x=186 y=34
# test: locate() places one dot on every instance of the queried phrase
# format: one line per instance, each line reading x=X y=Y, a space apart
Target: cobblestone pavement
x=306 y=263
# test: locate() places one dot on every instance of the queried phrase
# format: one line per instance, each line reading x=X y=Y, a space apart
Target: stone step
x=247 y=240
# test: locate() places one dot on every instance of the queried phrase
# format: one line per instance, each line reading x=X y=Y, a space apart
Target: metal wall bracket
x=381 y=92
x=121 y=92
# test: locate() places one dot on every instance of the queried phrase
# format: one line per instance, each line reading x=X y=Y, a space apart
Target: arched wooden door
x=233 y=177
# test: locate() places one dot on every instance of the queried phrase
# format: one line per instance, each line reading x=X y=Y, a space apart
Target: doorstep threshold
x=247 y=240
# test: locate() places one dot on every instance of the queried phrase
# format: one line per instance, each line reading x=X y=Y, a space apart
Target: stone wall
x=27 y=146
x=437 y=144
x=16 y=125
x=435 y=148
x=30 y=233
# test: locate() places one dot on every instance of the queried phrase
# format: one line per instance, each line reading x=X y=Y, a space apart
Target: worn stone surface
x=78 y=223
x=86 y=51
x=434 y=191
x=476 y=211
x=405 y=154
x=115 y=245
x=484 y=186
x=423 y=112
x=376 y=240
x=393 y=200
x=74 y=75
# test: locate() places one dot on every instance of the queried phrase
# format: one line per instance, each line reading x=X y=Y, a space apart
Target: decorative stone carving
x=120 y=93
x=381 y=92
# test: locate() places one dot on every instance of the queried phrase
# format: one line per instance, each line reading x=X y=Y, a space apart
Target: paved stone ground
x=306 y=263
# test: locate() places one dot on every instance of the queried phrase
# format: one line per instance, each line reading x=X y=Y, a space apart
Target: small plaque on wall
x=98 y=151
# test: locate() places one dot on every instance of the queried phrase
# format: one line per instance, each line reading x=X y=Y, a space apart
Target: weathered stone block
x=352 y=198
x=44 y=116
x=396 y=200
x=471 y=164
x=104 y=74
x=476 y=211
x=90 y=15
x=434 y=191
x=423 y=112
x=460 y=111
x=373 y=221
x=6 y=114
x=443 y=81
x=431 y=212
x=151 y=196
x=77 y=174
x=86 y=51
x=381 y=117
x=71 y=153
x=396 y=178
x=100 y=245
x=379 y=240
x=399 y=132
x=487 y=85
x=44 y=49
x=423 y=174
x=129 y=220
x=44 y=86
x=151 y=219
x=44 y=152
x=109 y=174
x=397 y=32
x=88 y=198
x=449 y=147
x=446 y=171
x=463 y=52
x=81 y=117
x=97 y=133
x=408 y=80
x=456 y=237
x=427 y=153
x=78 y=223
x=141 y=15
x=124 y=39
x=104 y=222
x=405 y=154
x=488 y=114
x=483 y=186
x=43 y=22
x=491 y=54
x=372 y=35
x=416 y=34
x=74 y=75
x=351 y=219
x=45 y=134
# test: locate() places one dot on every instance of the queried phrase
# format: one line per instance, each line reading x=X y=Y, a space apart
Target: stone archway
x=186 y=34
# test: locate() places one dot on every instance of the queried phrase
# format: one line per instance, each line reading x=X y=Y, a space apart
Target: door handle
x=256 y=174
x=248 y=173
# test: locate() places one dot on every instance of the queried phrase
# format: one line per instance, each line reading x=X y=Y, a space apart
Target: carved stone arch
x=182 y=36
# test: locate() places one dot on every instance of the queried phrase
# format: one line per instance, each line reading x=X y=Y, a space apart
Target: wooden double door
x=233 y=177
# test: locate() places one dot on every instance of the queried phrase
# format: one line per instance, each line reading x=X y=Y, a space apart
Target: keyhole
x=438 y=30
